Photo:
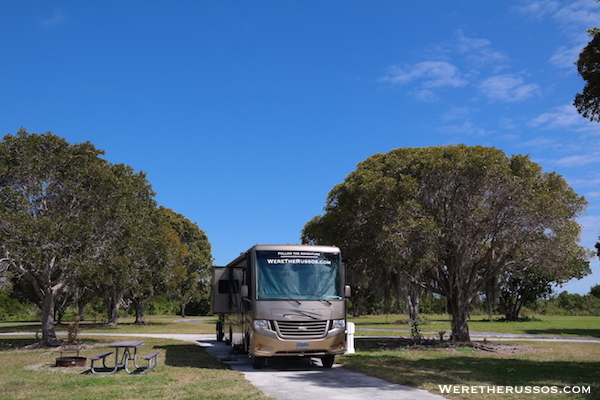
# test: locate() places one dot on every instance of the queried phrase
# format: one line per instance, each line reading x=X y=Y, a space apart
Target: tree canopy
x=451 y=219
x=47 y=211
x=70 y=222
x=588 y=66
x=191 y=276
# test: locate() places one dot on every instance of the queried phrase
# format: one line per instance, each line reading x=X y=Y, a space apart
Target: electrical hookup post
x=283 y=301
x=350 y=330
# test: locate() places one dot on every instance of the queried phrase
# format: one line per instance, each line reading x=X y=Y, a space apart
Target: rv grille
x=301 y=329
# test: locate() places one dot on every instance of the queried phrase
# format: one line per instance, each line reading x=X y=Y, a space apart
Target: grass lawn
x=546 y=325
x=535 y=364
x=184 y=371
x=153 y=325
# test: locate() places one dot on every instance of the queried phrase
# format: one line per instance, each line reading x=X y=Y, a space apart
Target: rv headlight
x=338 y=324
x=261 y=324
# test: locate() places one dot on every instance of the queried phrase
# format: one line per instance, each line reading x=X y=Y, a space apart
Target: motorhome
x=283 y=301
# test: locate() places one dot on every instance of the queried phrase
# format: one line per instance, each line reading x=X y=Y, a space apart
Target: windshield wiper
x=320 y=298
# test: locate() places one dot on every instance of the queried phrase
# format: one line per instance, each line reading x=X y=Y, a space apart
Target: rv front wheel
x=327 y=361
x=258 y=362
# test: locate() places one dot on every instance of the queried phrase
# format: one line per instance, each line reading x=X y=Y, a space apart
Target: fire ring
x=71 y=361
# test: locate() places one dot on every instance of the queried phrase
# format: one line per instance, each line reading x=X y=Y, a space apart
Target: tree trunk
x=511 y=315
x=48 y=333
x=511 y=306
x=113 y=300
x=459 y=308
x=80 y=309
x=488 y=306
x=138 y=304
x=413 y=298
x=491 y=297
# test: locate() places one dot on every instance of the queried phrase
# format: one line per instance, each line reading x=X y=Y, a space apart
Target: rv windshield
x=298 y=275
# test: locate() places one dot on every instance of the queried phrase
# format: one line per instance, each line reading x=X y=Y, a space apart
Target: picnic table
x=128 y=350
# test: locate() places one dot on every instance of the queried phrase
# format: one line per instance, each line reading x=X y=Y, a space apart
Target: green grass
x=185 y=371
x=546 y=325
x=544 y=364
x=126 y=325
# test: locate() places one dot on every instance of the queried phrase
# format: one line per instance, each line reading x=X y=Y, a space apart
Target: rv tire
x=258 y=362
x=327 y=361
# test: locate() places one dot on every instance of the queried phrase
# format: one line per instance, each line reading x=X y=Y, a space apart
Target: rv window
x=225 y=287
x=306 y=276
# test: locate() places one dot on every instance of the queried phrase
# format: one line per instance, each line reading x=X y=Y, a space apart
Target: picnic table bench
x=152 y=359
x=101 y=356
x=128 y=348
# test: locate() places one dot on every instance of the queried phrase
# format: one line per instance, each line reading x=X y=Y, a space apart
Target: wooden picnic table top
x=127 y=343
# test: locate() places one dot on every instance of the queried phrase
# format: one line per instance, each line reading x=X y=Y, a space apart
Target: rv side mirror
x=244 y=291
x=347 y=291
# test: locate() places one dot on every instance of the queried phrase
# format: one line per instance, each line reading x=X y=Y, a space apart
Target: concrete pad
x=304 y=378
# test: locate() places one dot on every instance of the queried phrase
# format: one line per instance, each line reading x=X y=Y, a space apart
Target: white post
x=350 y=329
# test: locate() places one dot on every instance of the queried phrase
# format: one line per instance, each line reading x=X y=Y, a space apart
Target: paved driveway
x=299 y=379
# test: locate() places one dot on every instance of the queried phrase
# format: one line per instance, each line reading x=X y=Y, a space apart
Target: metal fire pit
x=70 y=361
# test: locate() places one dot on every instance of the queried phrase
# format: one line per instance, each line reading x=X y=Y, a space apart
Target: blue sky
x=244 y=114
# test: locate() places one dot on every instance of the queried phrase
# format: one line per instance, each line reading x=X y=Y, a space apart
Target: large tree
x=190 y=277
x=587 y=103
x=534 y=273
x=47 y=212
x=127 y=230
x=588 y=67
x=452 y=218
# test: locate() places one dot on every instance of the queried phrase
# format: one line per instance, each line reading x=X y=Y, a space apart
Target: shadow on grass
x=191 y=356
x=566 y=331
x=391 y=322
x=96 y=325
x=20 y=326
x=477 y=371
x=434 y=367
x=12 y=344
x=19 y=343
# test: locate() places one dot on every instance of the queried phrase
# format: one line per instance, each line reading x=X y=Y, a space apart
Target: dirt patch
x=55 y=351
x=50 y=368
x=40 y=345
x=502 y=348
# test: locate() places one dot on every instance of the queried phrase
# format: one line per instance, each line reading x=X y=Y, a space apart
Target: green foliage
x=595 y=291
x=570 y=304
x=160 y=305
x=48 y=207
x=587 y=103
x=75 y=226
x=13 y=309
x=191 y=276
x=451 y=219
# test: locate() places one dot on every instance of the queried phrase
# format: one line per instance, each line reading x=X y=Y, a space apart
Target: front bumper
x=268 y=345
